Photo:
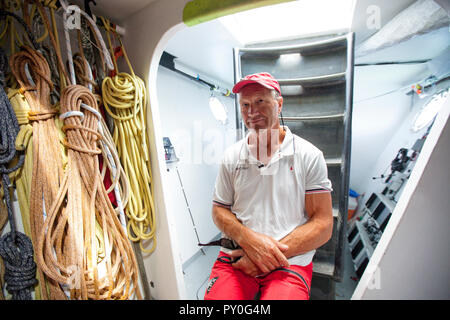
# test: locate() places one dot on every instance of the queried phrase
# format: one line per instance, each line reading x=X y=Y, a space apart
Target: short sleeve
x=223 y=189
x=317 y=175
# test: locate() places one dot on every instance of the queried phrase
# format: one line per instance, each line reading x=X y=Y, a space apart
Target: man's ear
x=280 y=104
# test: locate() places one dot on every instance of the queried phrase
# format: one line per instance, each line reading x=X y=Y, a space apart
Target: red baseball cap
x=263 y=78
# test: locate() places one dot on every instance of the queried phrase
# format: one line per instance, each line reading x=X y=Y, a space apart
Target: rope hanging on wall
x=47 y=159
x=125 y=100
x=82 y=246
x=15 y=247
x=94 y=259
x=80 y=264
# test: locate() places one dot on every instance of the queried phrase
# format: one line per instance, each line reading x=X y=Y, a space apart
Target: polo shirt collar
x=286 y=148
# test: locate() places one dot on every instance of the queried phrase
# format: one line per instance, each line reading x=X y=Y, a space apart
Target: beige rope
x=78 y=263
x=47 y=160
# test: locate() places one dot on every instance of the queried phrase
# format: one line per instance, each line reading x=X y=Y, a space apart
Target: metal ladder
x=316 y=79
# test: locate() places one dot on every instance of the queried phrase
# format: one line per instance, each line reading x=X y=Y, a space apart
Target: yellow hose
x=125 y=100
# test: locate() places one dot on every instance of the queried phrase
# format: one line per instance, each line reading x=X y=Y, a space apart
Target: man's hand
x=245 y=264
x=264 y=252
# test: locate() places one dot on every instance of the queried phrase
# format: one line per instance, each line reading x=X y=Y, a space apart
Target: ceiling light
x=290 y=20
x=429 y=111
x=218 y=109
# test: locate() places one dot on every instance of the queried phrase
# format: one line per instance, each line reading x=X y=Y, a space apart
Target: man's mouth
x=255 y=120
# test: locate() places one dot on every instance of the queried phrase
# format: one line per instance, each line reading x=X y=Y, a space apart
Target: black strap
x=223 y=242
x=297 y=274
x=4 y=13
x=228 y=260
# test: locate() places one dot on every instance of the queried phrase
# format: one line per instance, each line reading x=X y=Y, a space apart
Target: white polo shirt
x=270 y=199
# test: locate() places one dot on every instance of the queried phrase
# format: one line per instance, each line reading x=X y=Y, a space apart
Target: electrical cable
x=125 y=100
x=201 y=285
x=443 y=78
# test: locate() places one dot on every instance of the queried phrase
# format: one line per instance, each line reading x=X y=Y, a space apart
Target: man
x=272 y=198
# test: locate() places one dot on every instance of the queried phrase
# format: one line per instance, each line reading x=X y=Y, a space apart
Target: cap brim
x=238 y=86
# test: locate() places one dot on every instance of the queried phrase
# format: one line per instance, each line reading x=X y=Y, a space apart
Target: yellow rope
x=22 y=177
x=125 y=100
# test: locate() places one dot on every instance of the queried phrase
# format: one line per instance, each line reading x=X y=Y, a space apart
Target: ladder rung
x=313 y=118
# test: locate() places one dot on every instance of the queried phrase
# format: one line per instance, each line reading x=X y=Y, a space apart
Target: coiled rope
x=109 y=151
x=16 y=248
x=79 y=265
x=47 y=150
x=125 y=100
x=83 y=245
x=3 y=220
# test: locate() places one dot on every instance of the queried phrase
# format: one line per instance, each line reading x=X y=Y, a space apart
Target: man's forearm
x=227 y=222
x=307 y=237
x=316 y=231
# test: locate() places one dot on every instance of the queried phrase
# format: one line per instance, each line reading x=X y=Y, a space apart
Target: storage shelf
x=316 y=118
x=335 y=212
x=324 y=268
x=315 y=82
x=315 y=47
x=388 y=202
x=333 y=161
x=365 y=238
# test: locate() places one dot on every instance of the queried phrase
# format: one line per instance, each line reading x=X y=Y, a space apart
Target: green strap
x=198 y=11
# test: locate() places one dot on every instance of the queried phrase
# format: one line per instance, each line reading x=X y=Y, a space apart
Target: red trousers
x=229 y=283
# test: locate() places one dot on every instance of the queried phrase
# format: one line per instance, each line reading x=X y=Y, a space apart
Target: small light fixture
x=429 y=111
x=217 y=108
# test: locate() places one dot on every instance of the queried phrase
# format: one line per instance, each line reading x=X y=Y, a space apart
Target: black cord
x=282 y=120
x=16 y=248
x=4 y=13
x=201 y=286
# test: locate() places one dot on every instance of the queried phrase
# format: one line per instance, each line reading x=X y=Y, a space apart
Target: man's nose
x=252 y=110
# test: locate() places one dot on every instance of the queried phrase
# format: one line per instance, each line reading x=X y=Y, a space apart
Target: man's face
x=259 y=108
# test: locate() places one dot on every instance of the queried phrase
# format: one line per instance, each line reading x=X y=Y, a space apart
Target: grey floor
x=344 y=290
x=196 y=272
